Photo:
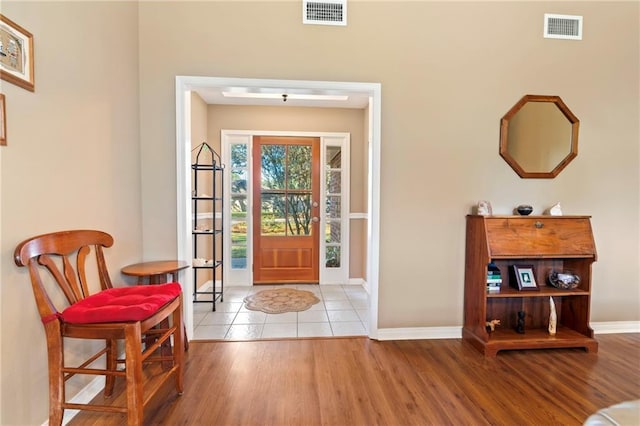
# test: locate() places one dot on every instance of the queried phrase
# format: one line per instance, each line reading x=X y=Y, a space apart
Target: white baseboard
x=419 y=333
x=207 y=284
x=455 y=332
x=352 y=281
x=611 y=327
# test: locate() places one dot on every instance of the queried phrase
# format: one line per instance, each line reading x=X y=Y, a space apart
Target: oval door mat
x=281 y=300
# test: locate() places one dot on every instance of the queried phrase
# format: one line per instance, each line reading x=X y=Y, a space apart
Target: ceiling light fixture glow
x=295 y=96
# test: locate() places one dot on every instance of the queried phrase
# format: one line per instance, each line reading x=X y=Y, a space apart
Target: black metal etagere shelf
x=208 y=164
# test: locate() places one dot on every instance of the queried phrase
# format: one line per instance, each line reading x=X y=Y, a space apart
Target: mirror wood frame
x=504 y=136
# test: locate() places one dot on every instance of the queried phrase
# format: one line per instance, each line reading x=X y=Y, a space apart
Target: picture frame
x=3 y=120
x=16 y=54
x=524 y=277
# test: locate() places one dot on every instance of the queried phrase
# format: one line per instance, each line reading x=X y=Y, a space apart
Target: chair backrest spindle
x=66 y=280
x=105 y=280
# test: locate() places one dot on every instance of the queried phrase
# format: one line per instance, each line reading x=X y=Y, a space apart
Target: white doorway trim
x=187 y=84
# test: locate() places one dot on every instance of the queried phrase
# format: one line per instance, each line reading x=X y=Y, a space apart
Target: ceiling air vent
x=328 y=12
x=562 y=26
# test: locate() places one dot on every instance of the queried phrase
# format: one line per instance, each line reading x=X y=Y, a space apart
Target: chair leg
x=133 y=367
x=112 y=365
x=56 y=387
x=55 y=353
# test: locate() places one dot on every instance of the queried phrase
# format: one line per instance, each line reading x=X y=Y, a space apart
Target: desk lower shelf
x=532 y=339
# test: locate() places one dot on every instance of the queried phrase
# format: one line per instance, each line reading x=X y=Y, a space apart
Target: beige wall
x=444 y=89
x=449 y=71
x=72 y=161
x=199 y=123
x=308 y=120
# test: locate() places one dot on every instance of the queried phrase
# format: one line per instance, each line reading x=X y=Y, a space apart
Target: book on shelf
x=493 y=269
x=494 y=277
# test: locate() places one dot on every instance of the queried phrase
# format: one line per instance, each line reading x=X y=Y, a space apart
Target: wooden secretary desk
x=546 y=243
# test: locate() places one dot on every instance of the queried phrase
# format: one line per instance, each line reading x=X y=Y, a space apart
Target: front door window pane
x=273 y=215
x=238 y=205
x=332 y=257
x=238 y=243
x=238 y=181
x=238 y=257
x=273 y=167
x=298 y=167
x=332 y=234
x=299 y=214
x=333 y=157
x=333 y=207
x=239 y=155
x=333 y=182
x=239 y=232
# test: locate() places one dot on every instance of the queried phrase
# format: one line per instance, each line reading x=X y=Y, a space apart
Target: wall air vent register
x=327 y=12
x=562 y=26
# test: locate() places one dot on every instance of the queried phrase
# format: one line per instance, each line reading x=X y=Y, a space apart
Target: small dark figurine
x=520 y=326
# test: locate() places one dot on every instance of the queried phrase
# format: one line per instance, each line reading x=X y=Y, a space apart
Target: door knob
x=314 y=204
x=315 y=219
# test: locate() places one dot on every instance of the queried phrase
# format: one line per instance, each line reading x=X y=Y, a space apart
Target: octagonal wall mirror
x=539 y=136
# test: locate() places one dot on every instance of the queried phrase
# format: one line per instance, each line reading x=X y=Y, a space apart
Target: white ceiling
x=213 y=96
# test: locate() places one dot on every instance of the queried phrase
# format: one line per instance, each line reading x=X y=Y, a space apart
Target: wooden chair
x=128 y=314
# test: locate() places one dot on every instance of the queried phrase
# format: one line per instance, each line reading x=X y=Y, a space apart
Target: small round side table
x=157 y=272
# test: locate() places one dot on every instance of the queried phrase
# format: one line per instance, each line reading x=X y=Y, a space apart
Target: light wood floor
x=357 y=381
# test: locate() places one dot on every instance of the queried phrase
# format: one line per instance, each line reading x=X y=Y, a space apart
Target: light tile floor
x=342 y=311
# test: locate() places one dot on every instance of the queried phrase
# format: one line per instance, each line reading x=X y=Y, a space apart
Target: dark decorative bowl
x=524 y=209
x=564 y=280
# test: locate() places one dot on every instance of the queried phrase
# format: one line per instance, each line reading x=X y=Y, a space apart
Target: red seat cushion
x=121 y=304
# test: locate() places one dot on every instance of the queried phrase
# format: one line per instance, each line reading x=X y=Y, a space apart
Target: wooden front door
x=286 y=185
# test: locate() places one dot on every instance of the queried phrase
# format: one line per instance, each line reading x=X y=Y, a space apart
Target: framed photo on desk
x=525 y=279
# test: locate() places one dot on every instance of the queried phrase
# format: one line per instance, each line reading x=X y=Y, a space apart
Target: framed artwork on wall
x=16 y=54
x=3 y=121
